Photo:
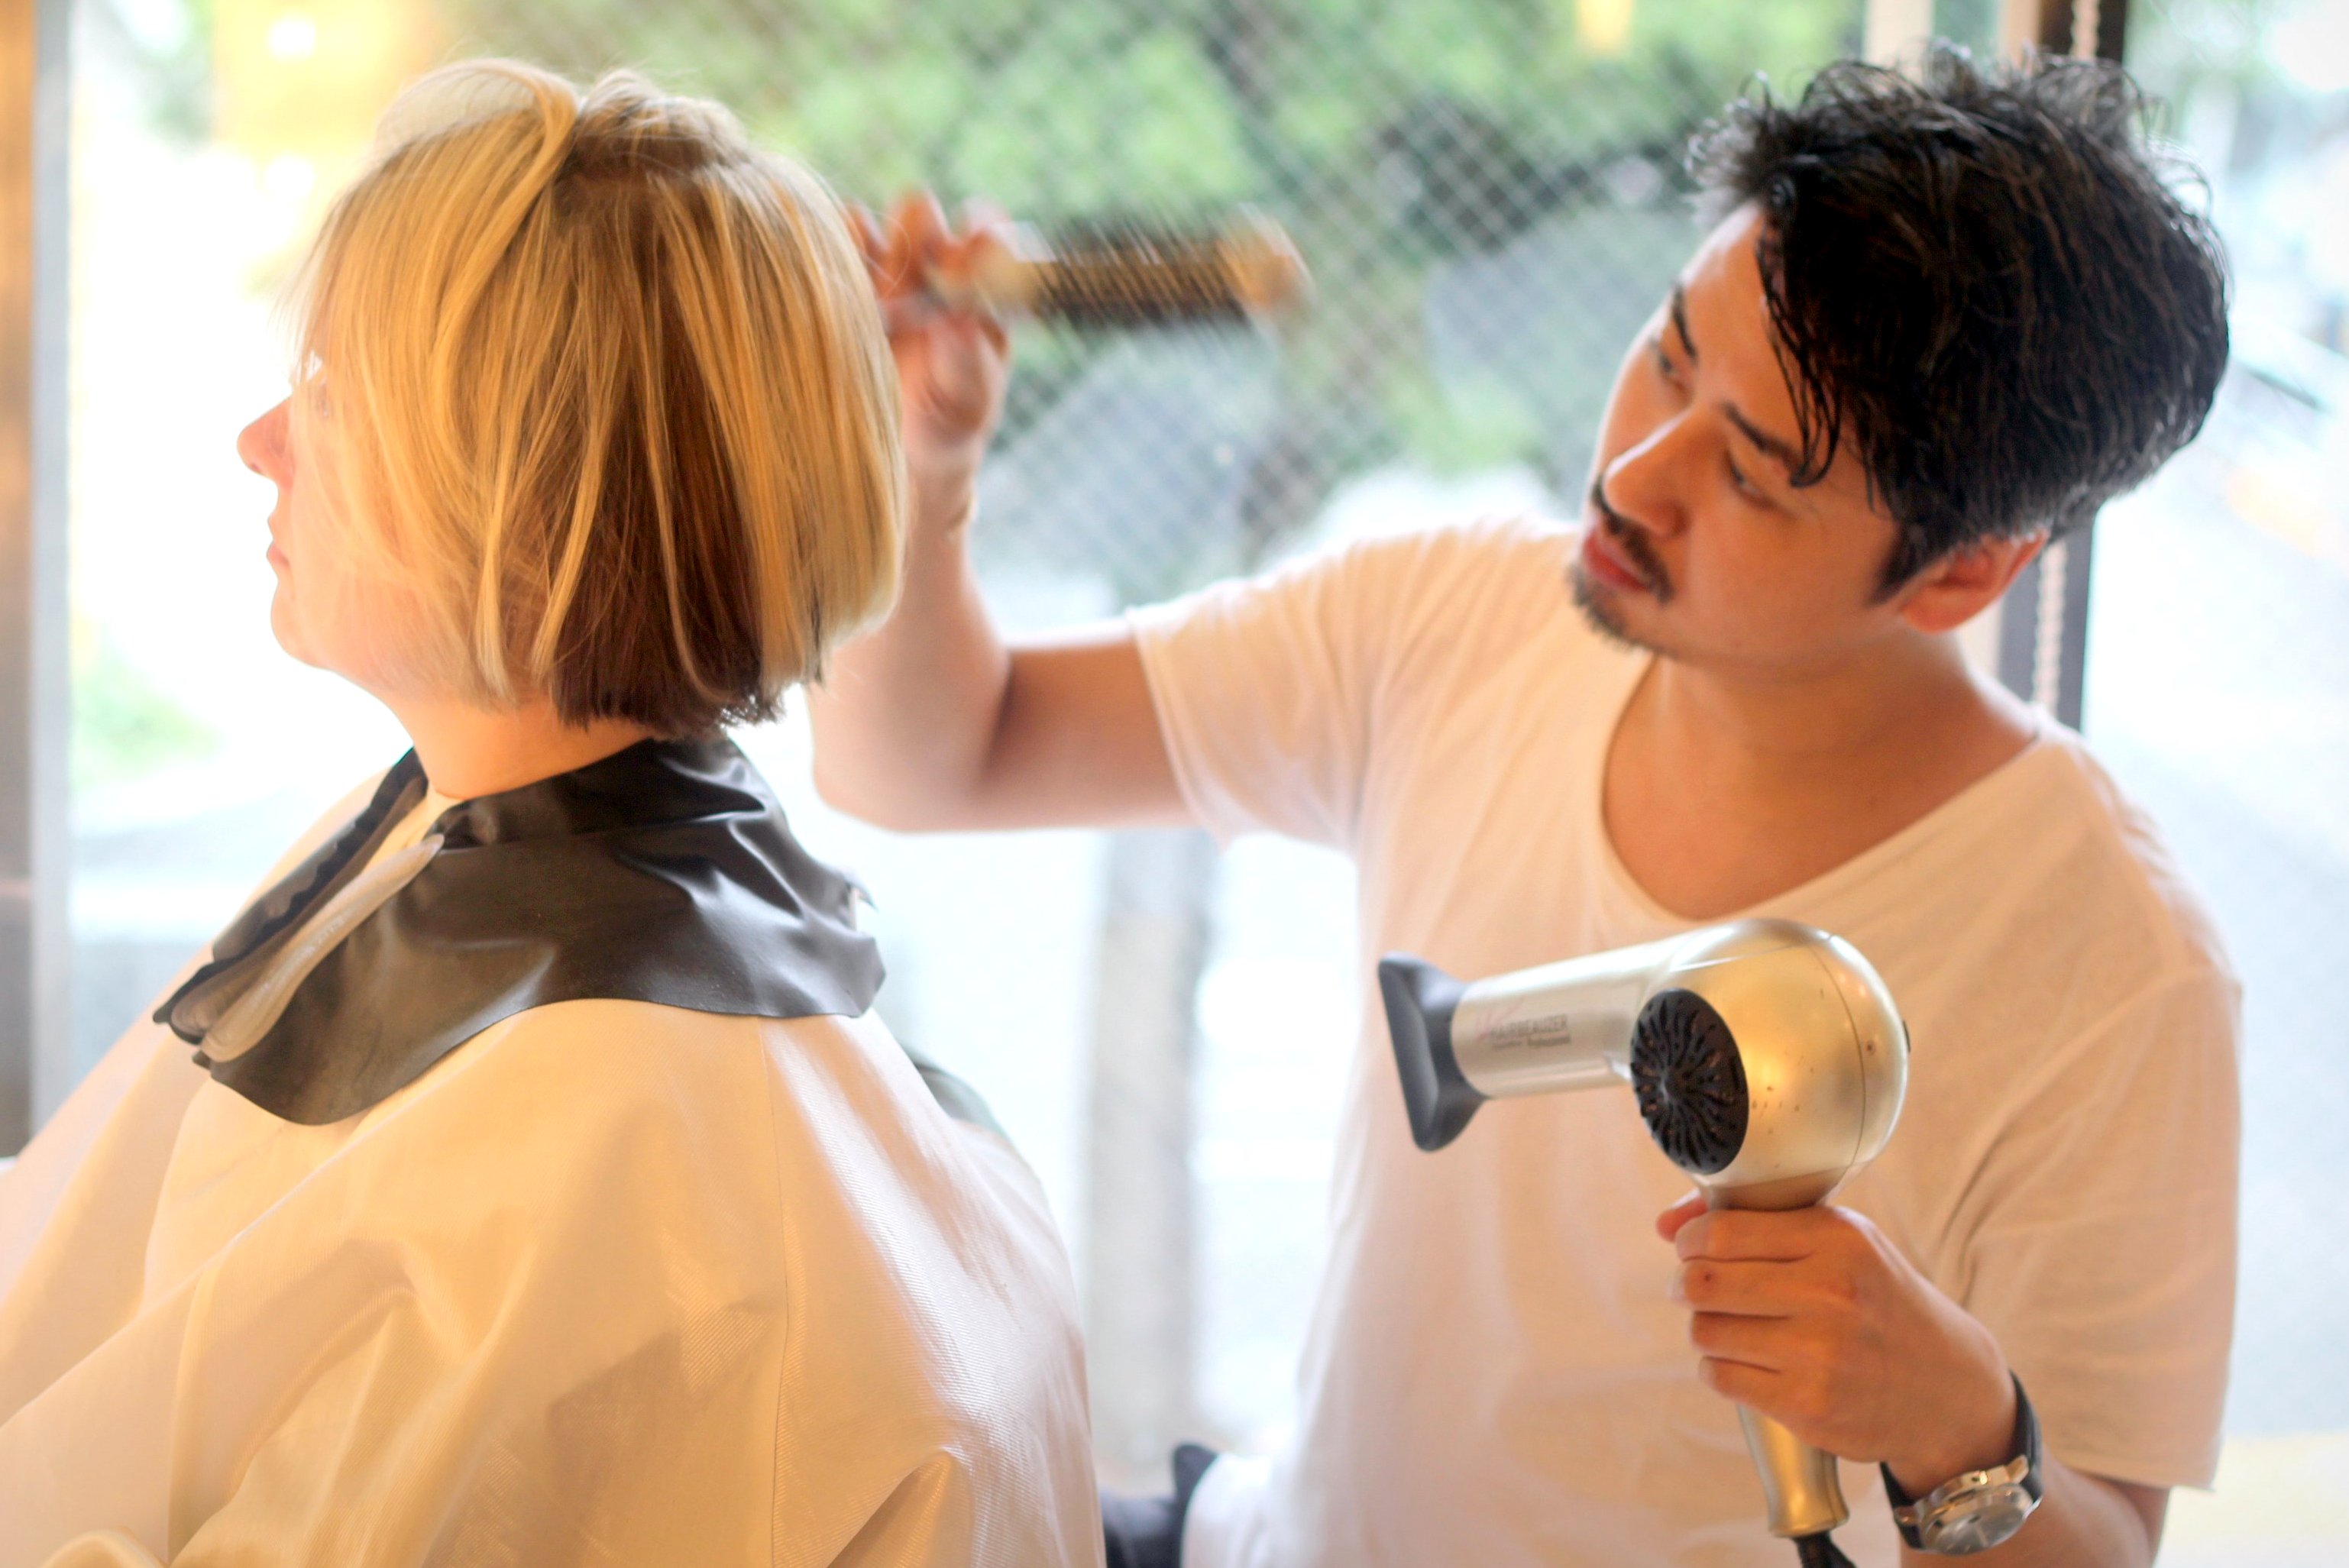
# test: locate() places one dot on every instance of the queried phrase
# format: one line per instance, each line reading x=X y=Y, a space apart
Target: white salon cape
x=613 y=1283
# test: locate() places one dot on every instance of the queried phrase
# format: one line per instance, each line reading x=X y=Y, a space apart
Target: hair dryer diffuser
x=1691 y=1082
x=1767 y=1059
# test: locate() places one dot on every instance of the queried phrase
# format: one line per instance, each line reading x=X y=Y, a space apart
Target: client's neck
x=469 y=751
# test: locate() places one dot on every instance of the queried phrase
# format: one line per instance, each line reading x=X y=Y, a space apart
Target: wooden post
x=2042 y=635
x=1896 y=30
x=35 y=1034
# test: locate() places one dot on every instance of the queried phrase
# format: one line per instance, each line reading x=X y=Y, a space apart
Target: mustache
x=1632 y=541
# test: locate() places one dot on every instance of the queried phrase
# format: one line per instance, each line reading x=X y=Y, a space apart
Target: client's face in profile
x=329 y=609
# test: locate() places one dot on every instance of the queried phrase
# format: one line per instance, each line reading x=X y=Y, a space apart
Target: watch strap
x=2026 y=1447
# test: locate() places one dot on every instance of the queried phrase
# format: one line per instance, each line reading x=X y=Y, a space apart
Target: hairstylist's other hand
x=952 y=365
x=1812 y=1317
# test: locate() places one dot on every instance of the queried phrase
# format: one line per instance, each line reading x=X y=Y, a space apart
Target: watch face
x=1977 y=1521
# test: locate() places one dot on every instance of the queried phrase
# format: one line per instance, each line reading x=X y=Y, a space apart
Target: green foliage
x=124 y=726
x=167 y=44
x=1471 y=423
x=1054 y=105
x=1401 y=141
x=1972 y=23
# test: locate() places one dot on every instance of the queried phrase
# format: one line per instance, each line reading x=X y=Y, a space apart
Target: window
x=2217 y=691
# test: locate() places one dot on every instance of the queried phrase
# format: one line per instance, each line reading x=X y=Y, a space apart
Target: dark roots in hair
x=1983 y=281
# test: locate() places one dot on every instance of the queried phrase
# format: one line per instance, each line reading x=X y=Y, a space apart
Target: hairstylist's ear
x=1962 y=584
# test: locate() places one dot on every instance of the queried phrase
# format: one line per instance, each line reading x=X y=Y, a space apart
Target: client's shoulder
x=812 y=1090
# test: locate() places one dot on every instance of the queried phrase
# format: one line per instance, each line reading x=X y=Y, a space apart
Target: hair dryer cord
x=1820 y=1551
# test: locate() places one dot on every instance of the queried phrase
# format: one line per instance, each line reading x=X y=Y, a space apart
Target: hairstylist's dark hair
x=1983 y=281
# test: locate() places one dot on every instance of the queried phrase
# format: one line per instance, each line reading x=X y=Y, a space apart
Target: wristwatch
x=1981 y=1509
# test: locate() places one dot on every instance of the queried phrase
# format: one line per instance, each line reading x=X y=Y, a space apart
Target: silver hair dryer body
x=1767 y=1058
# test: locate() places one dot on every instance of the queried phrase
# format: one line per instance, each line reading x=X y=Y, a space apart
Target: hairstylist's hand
x=1812 y=1317
x=952 y=365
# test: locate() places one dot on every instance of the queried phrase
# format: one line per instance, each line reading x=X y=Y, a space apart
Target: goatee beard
x=1600 y=611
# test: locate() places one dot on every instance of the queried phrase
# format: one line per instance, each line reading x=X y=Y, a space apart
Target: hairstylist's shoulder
x=1385 y=596
x=2134 y=910
x=1274 y=693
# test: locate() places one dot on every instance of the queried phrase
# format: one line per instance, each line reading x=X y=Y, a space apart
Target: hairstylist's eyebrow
x=1680 y=321
x=1770 y=445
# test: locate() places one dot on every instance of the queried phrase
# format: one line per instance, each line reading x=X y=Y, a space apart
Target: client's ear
x=1965 y=583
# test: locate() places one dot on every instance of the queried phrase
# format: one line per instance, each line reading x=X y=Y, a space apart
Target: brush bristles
x=1136 y=274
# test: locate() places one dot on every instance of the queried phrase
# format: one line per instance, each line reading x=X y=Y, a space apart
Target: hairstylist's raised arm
x=930 y=720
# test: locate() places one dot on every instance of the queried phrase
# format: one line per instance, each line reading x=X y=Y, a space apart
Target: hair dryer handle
x=1799 y=1481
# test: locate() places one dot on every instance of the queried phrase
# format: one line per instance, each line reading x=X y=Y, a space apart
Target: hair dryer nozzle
x=1420 y=999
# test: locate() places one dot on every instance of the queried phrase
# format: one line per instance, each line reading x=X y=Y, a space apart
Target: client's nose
x=262 y=444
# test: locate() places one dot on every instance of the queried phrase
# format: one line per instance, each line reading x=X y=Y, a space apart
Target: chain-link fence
x=1490 y=199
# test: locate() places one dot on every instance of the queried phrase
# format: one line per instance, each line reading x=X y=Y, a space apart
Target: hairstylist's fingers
x=958 y=256
x=923 y=221
x=1781 y=1236
x=984 y=223
x=905 y=313
x=1741 y=1289
x=1735 y=1381
x=916 y=228
x=987 y=329
x=1748 y=1341
x=986 y=228
x=1687 y=1208
x=872 y=238
x=894 y=260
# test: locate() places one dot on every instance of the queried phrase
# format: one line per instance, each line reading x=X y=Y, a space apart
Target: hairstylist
x=1935 y=323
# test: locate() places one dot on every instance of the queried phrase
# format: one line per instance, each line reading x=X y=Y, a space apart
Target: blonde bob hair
x=605 y=389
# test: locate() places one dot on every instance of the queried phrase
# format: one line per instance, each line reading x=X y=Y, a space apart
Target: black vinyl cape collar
x=664 y=873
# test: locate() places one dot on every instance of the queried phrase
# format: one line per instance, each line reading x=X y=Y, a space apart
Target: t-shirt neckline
x=1891 y=847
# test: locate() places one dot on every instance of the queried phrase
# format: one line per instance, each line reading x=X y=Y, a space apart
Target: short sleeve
x=2106 y=1259
x=1270 y=691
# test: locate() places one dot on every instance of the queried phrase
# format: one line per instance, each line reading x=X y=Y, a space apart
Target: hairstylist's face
x=1697 y=544
x=328 y=611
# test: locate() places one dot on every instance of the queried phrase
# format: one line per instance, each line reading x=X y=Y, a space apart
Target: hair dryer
x=1768 y=1061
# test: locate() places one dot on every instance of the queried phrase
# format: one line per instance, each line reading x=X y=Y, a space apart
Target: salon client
x=524 y=1177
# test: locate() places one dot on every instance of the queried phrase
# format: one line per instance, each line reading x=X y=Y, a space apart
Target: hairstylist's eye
x=1743 y=485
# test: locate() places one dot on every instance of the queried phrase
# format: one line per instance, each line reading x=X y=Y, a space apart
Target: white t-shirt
x=613 y=1283
x=1494 y=1374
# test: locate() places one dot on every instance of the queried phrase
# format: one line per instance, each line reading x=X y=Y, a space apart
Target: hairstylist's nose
x=262 y=445
x=1638 y=491
x=1642 y=486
